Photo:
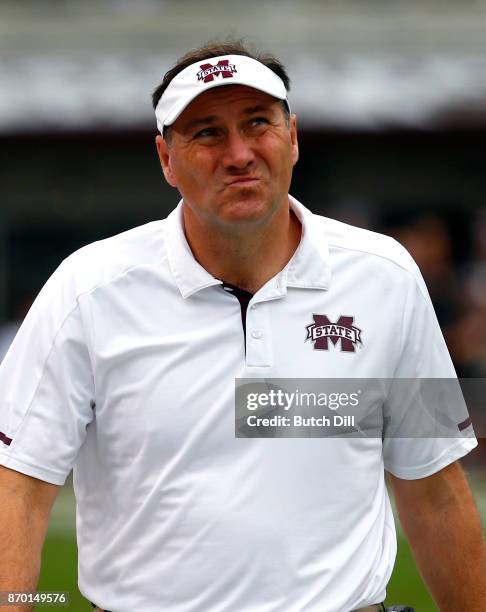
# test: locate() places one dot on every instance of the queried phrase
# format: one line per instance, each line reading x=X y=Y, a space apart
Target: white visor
x=215 y=72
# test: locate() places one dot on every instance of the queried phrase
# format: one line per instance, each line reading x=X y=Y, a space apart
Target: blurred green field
x=59 y=571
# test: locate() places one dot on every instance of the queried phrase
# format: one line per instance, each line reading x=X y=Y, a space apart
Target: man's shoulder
x=103 y=261
x=344 y=237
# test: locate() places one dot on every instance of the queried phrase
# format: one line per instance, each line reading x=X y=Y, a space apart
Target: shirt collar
x=188 y=273
x=309 y=267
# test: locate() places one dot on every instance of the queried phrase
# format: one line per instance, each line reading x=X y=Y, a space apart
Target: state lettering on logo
x=343 y=332
x=223 y=68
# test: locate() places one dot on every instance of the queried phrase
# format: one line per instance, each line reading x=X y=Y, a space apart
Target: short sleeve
x=424 y=362
x=46 y=385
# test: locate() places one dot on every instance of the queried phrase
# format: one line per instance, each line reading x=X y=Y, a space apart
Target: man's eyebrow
x=198 y=122
x=251 y=110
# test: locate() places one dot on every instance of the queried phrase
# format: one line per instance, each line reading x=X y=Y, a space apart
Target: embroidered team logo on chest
x=342 y=331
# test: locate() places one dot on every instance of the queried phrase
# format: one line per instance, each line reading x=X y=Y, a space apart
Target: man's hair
x=215 y=49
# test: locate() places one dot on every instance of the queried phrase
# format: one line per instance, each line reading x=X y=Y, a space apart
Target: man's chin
x=245 y=211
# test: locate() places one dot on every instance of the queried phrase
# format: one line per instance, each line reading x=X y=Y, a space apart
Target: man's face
x=230 y=154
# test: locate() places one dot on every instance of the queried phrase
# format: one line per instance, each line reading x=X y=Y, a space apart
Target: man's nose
x=238 y=152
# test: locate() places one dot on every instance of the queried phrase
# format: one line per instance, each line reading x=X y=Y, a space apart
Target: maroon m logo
x=208 y=71
x=342 y=331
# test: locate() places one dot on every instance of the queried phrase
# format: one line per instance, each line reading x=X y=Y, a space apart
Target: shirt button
x=257 y=334
x=253 y=306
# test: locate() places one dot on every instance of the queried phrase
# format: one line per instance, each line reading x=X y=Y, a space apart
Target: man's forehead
x=240 y=98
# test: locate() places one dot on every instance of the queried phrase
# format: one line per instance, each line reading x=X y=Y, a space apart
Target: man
x=125 y=369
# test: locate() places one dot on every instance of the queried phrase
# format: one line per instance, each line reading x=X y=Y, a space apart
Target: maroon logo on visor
x=223 y=68
x=343 y=331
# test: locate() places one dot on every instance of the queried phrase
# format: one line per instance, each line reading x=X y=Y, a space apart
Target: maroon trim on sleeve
x=464 y=424
x=5 y=439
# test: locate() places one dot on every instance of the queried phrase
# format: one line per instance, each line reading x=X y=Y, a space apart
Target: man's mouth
x=243 y=181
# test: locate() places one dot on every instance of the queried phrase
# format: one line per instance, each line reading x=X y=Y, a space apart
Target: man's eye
x=259 y=121
x=205 y=133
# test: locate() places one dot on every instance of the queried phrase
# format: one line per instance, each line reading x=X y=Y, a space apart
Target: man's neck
x=249 y=256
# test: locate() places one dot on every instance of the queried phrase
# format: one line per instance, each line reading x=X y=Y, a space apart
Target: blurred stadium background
x=391 y=100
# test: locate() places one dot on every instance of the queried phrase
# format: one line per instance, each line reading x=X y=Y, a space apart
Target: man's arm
x=25 y=505
x=443 y=527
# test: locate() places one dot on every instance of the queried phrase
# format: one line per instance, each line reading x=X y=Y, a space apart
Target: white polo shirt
x=124 y=369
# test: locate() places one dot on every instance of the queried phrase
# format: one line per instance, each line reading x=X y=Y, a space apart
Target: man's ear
x=293 y=136
x=164 y=157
